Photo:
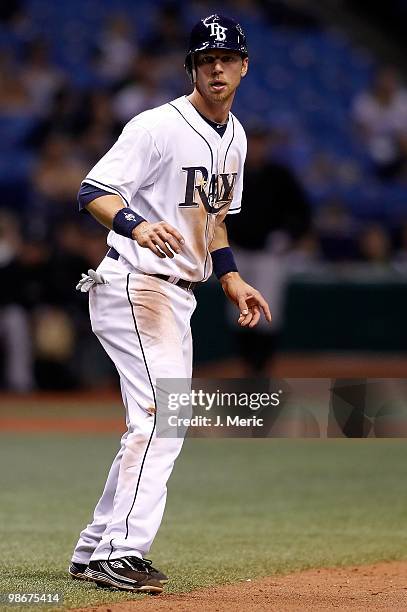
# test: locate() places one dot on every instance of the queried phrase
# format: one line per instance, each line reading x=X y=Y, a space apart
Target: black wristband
x=125 y=221
x=223 y=261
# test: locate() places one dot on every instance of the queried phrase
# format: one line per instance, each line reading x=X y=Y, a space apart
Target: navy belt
x=113 y=254
x=180 y=282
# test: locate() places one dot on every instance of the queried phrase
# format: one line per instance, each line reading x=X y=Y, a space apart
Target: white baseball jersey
x=170 y=165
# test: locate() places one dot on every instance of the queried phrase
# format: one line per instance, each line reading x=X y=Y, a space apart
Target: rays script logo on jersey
x=216 y=30
x=214 y=194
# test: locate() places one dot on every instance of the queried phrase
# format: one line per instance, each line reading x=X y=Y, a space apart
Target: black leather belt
x=180 y=282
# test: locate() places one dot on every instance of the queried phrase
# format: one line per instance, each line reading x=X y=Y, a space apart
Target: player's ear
x=245 y=66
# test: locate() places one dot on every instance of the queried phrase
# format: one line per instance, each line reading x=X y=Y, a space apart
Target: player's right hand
x=161 y=238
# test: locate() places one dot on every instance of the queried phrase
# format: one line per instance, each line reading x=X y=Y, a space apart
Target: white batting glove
x=88 y=280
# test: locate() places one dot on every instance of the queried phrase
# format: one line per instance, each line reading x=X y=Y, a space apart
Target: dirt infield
x=382 y=586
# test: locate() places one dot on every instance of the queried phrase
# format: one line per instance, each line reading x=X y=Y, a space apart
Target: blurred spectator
x=141 y=89
x=275 y=221
x=55 y=338
x=15 y=340
x=99 y=111
x=375 y=246
x=116 y=49
x=400 y=257
x=15 y=16
x=398 y=169
x=48 y=278
x=99 y=127
x=167 y=44
x=40 y=77
x=14 y=96
x=95 y=141
x=56 y=177
x=381 y=116
x=388 y=17
x=35 y=262
x=337 y=231
x=68 y=262
x=94 y=247
x=327 y=173
x=273 y=199
x=9 y=10
x=169 y=33
x=76 y=360
x=68 y=115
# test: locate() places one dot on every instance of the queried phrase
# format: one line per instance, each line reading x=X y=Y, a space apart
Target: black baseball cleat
x=77 y=571
x=155 y=572
x=127 y=574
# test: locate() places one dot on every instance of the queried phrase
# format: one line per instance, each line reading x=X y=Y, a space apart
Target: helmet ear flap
x=193 y=69
x=190 y=67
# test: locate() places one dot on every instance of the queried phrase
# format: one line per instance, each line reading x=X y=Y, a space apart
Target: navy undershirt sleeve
x=87 y=193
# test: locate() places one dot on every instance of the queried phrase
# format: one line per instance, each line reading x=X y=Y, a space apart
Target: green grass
x=236 y=509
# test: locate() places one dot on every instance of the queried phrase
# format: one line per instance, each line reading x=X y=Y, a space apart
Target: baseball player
x=164 y=190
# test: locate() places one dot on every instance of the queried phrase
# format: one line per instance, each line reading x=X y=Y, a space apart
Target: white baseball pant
x=143 y=323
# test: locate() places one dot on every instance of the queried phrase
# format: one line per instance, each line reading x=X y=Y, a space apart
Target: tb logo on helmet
x=216 y=30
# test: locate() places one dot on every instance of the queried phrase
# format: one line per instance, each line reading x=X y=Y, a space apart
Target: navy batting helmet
x=214 y=32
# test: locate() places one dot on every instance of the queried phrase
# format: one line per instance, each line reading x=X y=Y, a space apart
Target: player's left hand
x=249 y=301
